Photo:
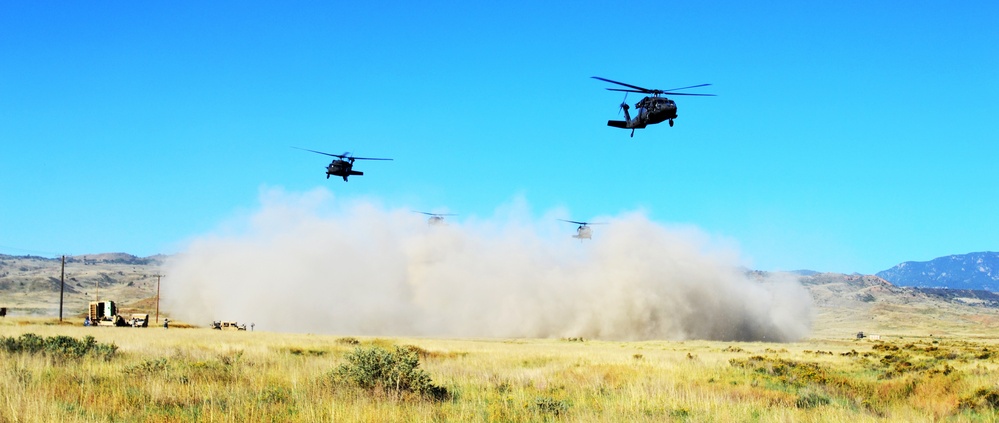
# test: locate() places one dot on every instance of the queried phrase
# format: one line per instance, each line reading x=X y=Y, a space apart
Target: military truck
x=104 y=313
x=228 y=325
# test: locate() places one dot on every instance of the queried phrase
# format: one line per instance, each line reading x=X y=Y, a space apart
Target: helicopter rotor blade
x=631 y=91
x=433 y=214
x=683 y=88
x=658 y=92
x=345 y=155
x=584 y=223
x=320 y=152
x=640 y=89
x=699 y=95
x=643 y=90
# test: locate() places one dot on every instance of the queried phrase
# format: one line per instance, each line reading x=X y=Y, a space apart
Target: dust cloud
x=306 y=262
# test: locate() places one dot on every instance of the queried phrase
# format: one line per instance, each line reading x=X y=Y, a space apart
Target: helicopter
x=651 y=110
x=584 y=231
x=435 y=218
x=343 y=165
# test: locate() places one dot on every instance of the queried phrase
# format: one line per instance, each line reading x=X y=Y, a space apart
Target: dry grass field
x=199 y=374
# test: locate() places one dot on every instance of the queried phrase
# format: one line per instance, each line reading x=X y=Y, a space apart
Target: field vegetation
x=67 y=372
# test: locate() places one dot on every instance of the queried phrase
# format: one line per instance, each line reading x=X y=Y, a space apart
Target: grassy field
x=177 y=374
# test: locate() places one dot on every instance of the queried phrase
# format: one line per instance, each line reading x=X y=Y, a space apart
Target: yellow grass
x=204 y=375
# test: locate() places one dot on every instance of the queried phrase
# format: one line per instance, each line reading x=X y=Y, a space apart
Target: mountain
x=977 y=271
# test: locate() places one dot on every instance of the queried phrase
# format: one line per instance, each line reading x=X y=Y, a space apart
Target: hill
x=29 y=285
x=972 y=271
x=966 y=296
x=847 y=304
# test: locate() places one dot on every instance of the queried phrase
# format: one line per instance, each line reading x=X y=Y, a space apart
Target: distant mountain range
x=976 y=271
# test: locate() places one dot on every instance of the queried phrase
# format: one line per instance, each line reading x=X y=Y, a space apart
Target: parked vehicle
x=228 y=325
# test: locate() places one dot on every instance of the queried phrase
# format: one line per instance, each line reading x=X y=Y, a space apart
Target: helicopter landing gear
x=633 y=132
x=671 y=123
x=345 y=179
x=327 y=176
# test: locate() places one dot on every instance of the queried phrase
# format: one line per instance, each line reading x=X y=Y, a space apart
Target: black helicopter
x=584 y=231
x=651 y=110
x=435 y=218
x=343 y=165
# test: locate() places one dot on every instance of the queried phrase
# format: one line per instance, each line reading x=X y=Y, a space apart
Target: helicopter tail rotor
x=624 y=108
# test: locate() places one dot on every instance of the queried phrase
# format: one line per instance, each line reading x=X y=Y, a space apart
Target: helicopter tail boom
x=625 y=124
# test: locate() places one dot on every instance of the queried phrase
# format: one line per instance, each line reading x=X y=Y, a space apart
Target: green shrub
x=274 y=395
x=148 y=367
x=57 y=346
x=982 y=399
x=304 y=352
x=393 y=372
x=789 y=372
x=547 y=405
x=679 y=413
x=810 y=399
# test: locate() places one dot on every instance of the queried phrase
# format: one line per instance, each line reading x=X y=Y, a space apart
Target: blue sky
x=846 y=136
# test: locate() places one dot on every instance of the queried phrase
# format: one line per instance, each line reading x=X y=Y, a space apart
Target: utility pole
x=62 y=285
x=158 y=298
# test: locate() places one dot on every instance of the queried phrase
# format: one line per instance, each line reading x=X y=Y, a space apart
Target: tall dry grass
x=205 y=375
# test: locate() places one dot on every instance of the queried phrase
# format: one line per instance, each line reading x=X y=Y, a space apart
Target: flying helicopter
x=651 y=110
x=584 y=231
x=343 y=165
x=435 y=218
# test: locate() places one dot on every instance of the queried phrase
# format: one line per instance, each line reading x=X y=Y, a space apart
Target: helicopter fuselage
x=583 y=232
x=656 y=109
x=341 y=168
x=651 y=110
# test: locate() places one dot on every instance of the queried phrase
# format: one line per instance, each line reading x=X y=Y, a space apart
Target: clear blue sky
x=846 y=135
